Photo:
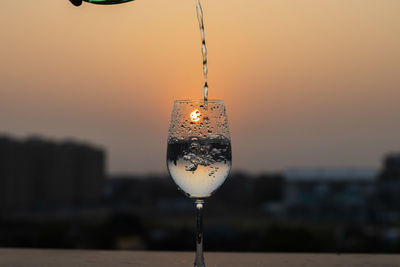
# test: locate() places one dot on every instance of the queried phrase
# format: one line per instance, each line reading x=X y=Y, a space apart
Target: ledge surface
x=82 y=258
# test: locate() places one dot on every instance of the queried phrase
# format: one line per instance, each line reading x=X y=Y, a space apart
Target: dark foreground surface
x=81 y=258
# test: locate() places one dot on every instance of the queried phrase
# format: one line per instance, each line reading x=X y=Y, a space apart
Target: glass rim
x=198 y=101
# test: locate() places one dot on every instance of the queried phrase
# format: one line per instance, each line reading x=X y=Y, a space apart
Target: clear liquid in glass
x=199 y=166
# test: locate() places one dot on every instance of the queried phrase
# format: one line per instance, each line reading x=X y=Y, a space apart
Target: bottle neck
x=99 y=2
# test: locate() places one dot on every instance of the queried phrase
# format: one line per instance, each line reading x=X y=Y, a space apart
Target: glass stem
x=199 y=260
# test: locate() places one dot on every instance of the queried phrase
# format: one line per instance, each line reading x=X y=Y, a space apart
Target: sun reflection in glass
x=195 y=116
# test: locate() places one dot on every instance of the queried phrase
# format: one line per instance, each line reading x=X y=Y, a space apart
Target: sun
x=195 y=116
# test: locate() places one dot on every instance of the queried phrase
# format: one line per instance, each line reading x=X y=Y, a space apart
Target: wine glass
x=199 y=155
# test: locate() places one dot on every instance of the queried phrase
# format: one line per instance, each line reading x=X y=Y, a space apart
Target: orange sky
x=306 y=83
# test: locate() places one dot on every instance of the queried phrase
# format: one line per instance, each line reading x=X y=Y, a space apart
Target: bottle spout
x=76 y=2
x=99 y=2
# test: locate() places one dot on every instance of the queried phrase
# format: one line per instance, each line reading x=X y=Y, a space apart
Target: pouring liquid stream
x=200 y=18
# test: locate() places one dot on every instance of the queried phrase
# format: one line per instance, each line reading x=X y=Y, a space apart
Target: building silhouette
x=333 y=194
x=37 y=175
x=387 y=200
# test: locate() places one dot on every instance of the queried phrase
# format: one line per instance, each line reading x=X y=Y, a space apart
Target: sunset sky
x=306 y=83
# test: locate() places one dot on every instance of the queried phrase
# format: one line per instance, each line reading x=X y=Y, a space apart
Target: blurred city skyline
x=306 y=84
x=57 y=195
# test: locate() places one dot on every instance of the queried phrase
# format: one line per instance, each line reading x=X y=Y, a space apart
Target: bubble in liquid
x=194 y=145
x=215 y=151
x=191 y=168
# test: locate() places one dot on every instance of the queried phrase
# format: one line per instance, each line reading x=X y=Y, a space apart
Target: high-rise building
x=40 y=175
x=388 y=187
x=329 y=193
